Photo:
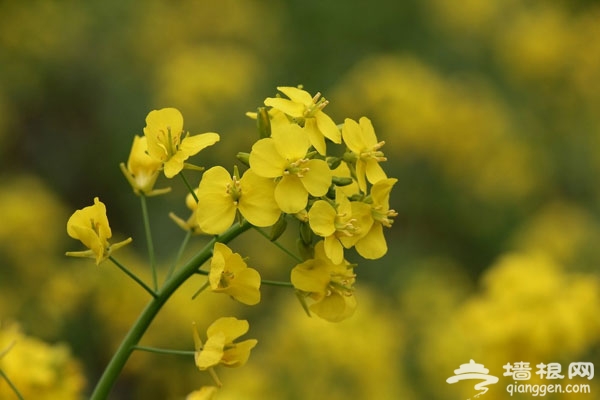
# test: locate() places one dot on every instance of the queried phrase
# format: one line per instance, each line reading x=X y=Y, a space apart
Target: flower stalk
x=131 y=340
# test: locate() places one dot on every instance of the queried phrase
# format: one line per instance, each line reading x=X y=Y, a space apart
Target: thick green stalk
x=116 y=364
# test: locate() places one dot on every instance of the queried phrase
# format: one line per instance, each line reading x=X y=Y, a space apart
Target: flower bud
x=278 y=229
x=263 y=122
x=244 y=158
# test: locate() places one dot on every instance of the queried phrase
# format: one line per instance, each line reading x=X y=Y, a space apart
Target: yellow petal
x=315 y=136
x=290 y=194
x=380 y=192
x=174 y=165
x=296 y=95
x=321 y=218
x=373 y=245
x=91 y=218
x=374 y=171
x=90 y=239
x=238 y=355
x=165 y=118
x=158 y=125
x=291 y=142
x=212 y=351
x=334 y=249
x=245 y=287
x=217 y=266
x=139 y=162
x=231 y=327
x=318 y=177
x=257 y=203
x=335 y=307
x=327 y=127
x=308 y=277
x=352 y=135
x=368 y=133
x=287 y=106
x=217 y=210
x=193 y=144
x=265 y=161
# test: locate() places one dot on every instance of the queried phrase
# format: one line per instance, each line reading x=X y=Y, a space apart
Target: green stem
x=276 y=283
x=179 y=254
x=187 y=184
x=202 y=289
x=133 y=276
x=165 y=351
x=276 y=243
x=149 y=240
x=119 y=359
x=12 y=385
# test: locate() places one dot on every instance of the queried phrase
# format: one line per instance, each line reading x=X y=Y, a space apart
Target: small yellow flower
x=90 y=226
x=220 y=348
x=229 y=274
x=365 y=151
x=163 y=131
x=328 y=284
x=307 y=110
x=373 y=245
x=142 y=170
x=283 y=156
x=220 y=195
x=341 y=226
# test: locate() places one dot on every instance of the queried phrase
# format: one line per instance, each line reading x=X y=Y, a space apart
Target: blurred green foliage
x=490 y=111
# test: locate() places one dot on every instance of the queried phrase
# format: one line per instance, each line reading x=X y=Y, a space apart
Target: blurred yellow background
x=490 y=110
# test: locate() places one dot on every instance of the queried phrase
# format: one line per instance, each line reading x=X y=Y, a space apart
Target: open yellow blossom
x=341 y=225
x=220 y=195
x=229 y=274
x=283 y=156
x=90 y=226
x=328 y=284
x=142 y=170
x=307 y=110
x=365 y=151
x=373 y=245
x=163 y=131
x=220 y=348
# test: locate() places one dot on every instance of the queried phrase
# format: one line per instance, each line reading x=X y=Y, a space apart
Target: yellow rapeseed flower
x=163 y=131
x=373 y=245
x=328 y=284
x=220 y=195
x=365 y=150
x=283 y=156
x=142 y=170
x=229 y=274
x=341 y=225
x=220 y=348
x=90 y=226
x=307 y=110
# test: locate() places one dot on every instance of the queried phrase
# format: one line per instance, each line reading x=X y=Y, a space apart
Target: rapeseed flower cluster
x=338 y=197
x=291 y=173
